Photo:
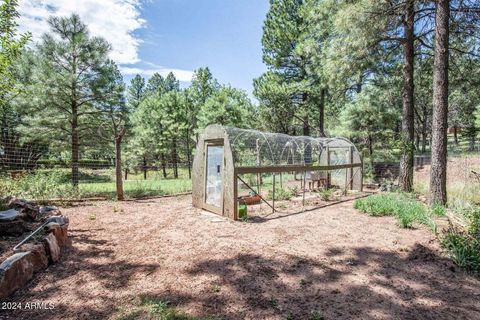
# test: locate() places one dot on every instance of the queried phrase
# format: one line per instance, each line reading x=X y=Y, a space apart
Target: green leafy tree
x=227 y=106
x=72 y=75
x=135 y=91
x=10 y=49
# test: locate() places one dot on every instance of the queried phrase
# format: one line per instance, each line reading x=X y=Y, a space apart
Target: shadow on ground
x=420 y=285
x=111 y=273
x=363 y=283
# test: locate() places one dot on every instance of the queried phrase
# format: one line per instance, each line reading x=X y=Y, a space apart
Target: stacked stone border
x=37 y=253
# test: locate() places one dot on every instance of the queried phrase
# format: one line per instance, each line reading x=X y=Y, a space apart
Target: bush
x=39 y=185
x=463 y=245
x=326 y=194
x=404 y=207
x=280 y=194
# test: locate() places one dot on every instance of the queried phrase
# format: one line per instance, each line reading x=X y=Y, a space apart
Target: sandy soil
x=335 y=260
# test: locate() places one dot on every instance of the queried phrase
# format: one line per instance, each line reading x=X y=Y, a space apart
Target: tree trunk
x=74 y=144
x=321 y=118
x=164 y=165
x=406 y=162
x=438 y=171
x=370 y=146
x=307 y=153
x=455 y=135
x=144 y=167
x=424 y=129
x=189 y=160
x=118 y=164
x=174 y=159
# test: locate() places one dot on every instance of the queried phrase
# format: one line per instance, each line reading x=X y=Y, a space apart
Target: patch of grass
x=463 y=244
x=153 y=308
x=438 y=210
x=404 y=207
x=50 y=184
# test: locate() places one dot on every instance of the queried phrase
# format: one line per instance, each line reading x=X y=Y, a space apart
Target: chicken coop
x=225 y=154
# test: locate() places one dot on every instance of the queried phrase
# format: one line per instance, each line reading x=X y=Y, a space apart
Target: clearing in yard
x=331 y=263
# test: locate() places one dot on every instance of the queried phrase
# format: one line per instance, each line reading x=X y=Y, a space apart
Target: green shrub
x=326 y=194
x=280 y=194
x=40 y=185
x=404 y=207
x=463 y=245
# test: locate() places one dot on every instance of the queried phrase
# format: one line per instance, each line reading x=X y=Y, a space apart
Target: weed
x=438 y=210
x=93 y=216
x=273 y=302
x=280 y=194
x=316 y=315
x=216 y=288
x=463 y=244
x=403 y=206
x=294 y=190
x=326 y=194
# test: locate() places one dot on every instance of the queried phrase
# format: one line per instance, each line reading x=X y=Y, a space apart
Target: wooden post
x=304 y=181
x=273 y=192
x=328 y=164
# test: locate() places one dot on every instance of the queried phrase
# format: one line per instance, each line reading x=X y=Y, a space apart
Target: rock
x=15 y=273
x=9 y=215
x=12 y=228
x=50 y=211
x=51 y=248
x=61 y=220
x=11 y=223
x=38 y=256
x=28 y=210
x=60 y=232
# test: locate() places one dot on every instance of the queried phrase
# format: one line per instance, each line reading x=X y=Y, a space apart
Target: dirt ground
x=335 y=260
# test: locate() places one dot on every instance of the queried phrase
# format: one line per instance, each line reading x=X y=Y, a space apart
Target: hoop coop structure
x=224 y=154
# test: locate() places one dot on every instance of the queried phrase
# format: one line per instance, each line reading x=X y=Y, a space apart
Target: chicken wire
x=252 y=148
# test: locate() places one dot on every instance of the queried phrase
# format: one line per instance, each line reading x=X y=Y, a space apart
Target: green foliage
x=10 y=49
x=404 y=207
x=227 y=106
x=40 y=185
x=55 y=183
x=280 y=194
x=326 y=194
x=438 y=210
x=153 y=308
x=463 y=245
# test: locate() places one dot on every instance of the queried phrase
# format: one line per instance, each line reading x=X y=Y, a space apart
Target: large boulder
x=51 y=248
x=15 y=273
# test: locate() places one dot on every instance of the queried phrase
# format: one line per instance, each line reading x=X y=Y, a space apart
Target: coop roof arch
x=253 y=148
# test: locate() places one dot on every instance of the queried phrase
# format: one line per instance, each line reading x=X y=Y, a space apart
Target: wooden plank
x=294 y=168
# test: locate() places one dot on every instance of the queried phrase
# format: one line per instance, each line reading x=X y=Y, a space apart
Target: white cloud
x=114 y=20
x=181 y=75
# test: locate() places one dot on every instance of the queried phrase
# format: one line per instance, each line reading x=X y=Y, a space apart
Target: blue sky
x=169 y=35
